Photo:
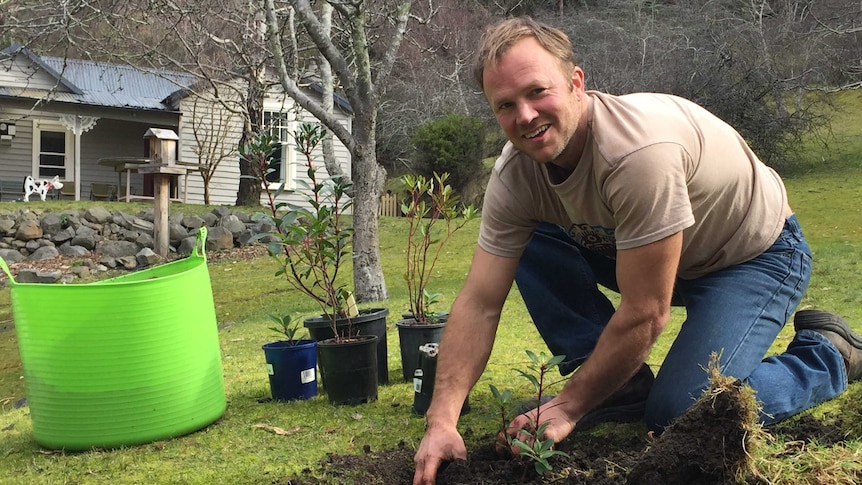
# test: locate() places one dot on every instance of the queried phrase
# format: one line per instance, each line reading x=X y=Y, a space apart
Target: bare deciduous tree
x=210 y=127
x=360 y=73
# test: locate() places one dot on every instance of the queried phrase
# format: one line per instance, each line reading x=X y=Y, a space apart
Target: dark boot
x=624 y=406
x=837 y=331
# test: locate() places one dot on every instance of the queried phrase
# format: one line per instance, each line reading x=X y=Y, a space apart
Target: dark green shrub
x=452 y=144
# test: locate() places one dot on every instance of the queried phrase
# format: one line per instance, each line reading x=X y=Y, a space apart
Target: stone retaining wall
x=116 y=240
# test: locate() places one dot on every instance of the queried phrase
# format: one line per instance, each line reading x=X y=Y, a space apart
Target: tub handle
x=200 y=244
x=7 y=271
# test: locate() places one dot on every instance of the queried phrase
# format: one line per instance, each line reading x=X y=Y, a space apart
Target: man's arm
x=646 y=277
x=464 y=351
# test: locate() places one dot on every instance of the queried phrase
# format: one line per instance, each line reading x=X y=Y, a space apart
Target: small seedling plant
x=533 y=448
x=287 y=327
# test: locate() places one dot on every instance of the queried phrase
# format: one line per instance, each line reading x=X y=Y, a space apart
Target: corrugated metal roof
x=121 y=86
x=101 y=83
x=114 y=85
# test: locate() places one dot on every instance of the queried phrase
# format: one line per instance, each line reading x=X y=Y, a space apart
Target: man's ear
x=577 y=78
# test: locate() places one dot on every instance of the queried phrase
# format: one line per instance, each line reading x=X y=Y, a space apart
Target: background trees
x=761 y=64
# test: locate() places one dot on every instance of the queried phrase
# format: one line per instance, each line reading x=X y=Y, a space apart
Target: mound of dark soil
x=705 y=446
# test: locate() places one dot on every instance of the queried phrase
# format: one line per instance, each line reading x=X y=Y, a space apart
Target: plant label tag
x=269 y=369
x=307 y=376
x=417 y=385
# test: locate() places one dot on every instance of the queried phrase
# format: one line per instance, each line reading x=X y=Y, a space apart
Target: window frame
x=40 y=126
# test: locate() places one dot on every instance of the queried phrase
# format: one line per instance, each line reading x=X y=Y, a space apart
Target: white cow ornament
x=41 y=187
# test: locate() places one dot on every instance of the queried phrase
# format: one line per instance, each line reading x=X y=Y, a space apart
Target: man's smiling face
x=538 y=106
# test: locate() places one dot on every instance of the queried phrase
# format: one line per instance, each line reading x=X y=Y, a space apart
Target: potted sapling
x=433 y=213
x=310 y=244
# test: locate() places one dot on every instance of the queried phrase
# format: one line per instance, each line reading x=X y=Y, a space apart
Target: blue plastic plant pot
x=292 y=369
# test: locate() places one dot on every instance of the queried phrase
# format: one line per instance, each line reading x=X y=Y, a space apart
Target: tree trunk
x=248 y=193
x=368 y=180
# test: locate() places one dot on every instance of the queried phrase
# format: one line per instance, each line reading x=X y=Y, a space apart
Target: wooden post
x=161 y=201
x=160 y=213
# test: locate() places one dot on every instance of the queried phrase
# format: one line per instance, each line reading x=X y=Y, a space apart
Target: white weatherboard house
x=61 y=117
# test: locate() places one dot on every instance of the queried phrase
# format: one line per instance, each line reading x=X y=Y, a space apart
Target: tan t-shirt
x=653 y=165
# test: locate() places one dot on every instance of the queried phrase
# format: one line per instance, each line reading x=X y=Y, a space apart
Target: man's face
x=537 y=105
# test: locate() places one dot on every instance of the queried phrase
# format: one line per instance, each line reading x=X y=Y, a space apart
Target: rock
x=52 y=223
x=210 y=219
x=70 y=250
x=142 y=225
x=221 y=211
x=118 y=249
x=35 y=276
x=242 y=216
x=64 y=235
x=11 y=255
x=123 y=220
x=144 y=240
x=44 y=252
x=27 y=230
x=6 y=226
x=86 y=240
x=129 y=235
x=186 y=246
x=244 y=237
x=193 y=223
x=146 y=257
x=81 y=271
x=147 y=215
x=176 y=232
x=219 y=238
x=128 y=262
x=97 y=215
x=232 y=224
x=28 y=215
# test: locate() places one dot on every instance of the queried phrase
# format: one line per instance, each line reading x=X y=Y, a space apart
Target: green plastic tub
x=122 y=361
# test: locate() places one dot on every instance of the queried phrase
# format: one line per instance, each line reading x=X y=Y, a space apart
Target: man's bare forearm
x=621 y=350
x=464 y=351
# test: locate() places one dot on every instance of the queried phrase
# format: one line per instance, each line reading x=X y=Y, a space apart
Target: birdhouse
x=161 y=146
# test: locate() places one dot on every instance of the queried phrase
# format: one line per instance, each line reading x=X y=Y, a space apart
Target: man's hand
x=440 y=444
x=560 y=424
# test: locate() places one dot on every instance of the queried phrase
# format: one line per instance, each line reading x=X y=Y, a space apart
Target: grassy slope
x=234 y=451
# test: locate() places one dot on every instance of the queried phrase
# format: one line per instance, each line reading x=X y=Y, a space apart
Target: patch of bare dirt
x=705 y=446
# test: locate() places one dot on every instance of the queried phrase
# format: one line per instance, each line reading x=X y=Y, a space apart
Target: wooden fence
x=389 y=206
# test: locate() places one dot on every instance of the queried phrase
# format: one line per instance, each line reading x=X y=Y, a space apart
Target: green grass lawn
x=236 y=450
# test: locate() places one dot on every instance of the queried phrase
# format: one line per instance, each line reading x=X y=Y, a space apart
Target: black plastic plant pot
x=411 y=336
x=369 y=322
x=348 y=369
x=292 y=369
x=423 y=380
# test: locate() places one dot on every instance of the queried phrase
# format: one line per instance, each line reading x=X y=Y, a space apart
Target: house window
x=283 y=158
x=52 y=151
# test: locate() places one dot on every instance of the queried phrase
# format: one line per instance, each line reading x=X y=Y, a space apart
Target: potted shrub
x=310 y=244
x=291 y=363
x=433 y=214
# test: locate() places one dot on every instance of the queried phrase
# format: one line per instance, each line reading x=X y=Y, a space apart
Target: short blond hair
x=499 y=37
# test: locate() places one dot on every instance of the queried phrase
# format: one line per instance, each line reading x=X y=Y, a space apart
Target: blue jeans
x=737 y=312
